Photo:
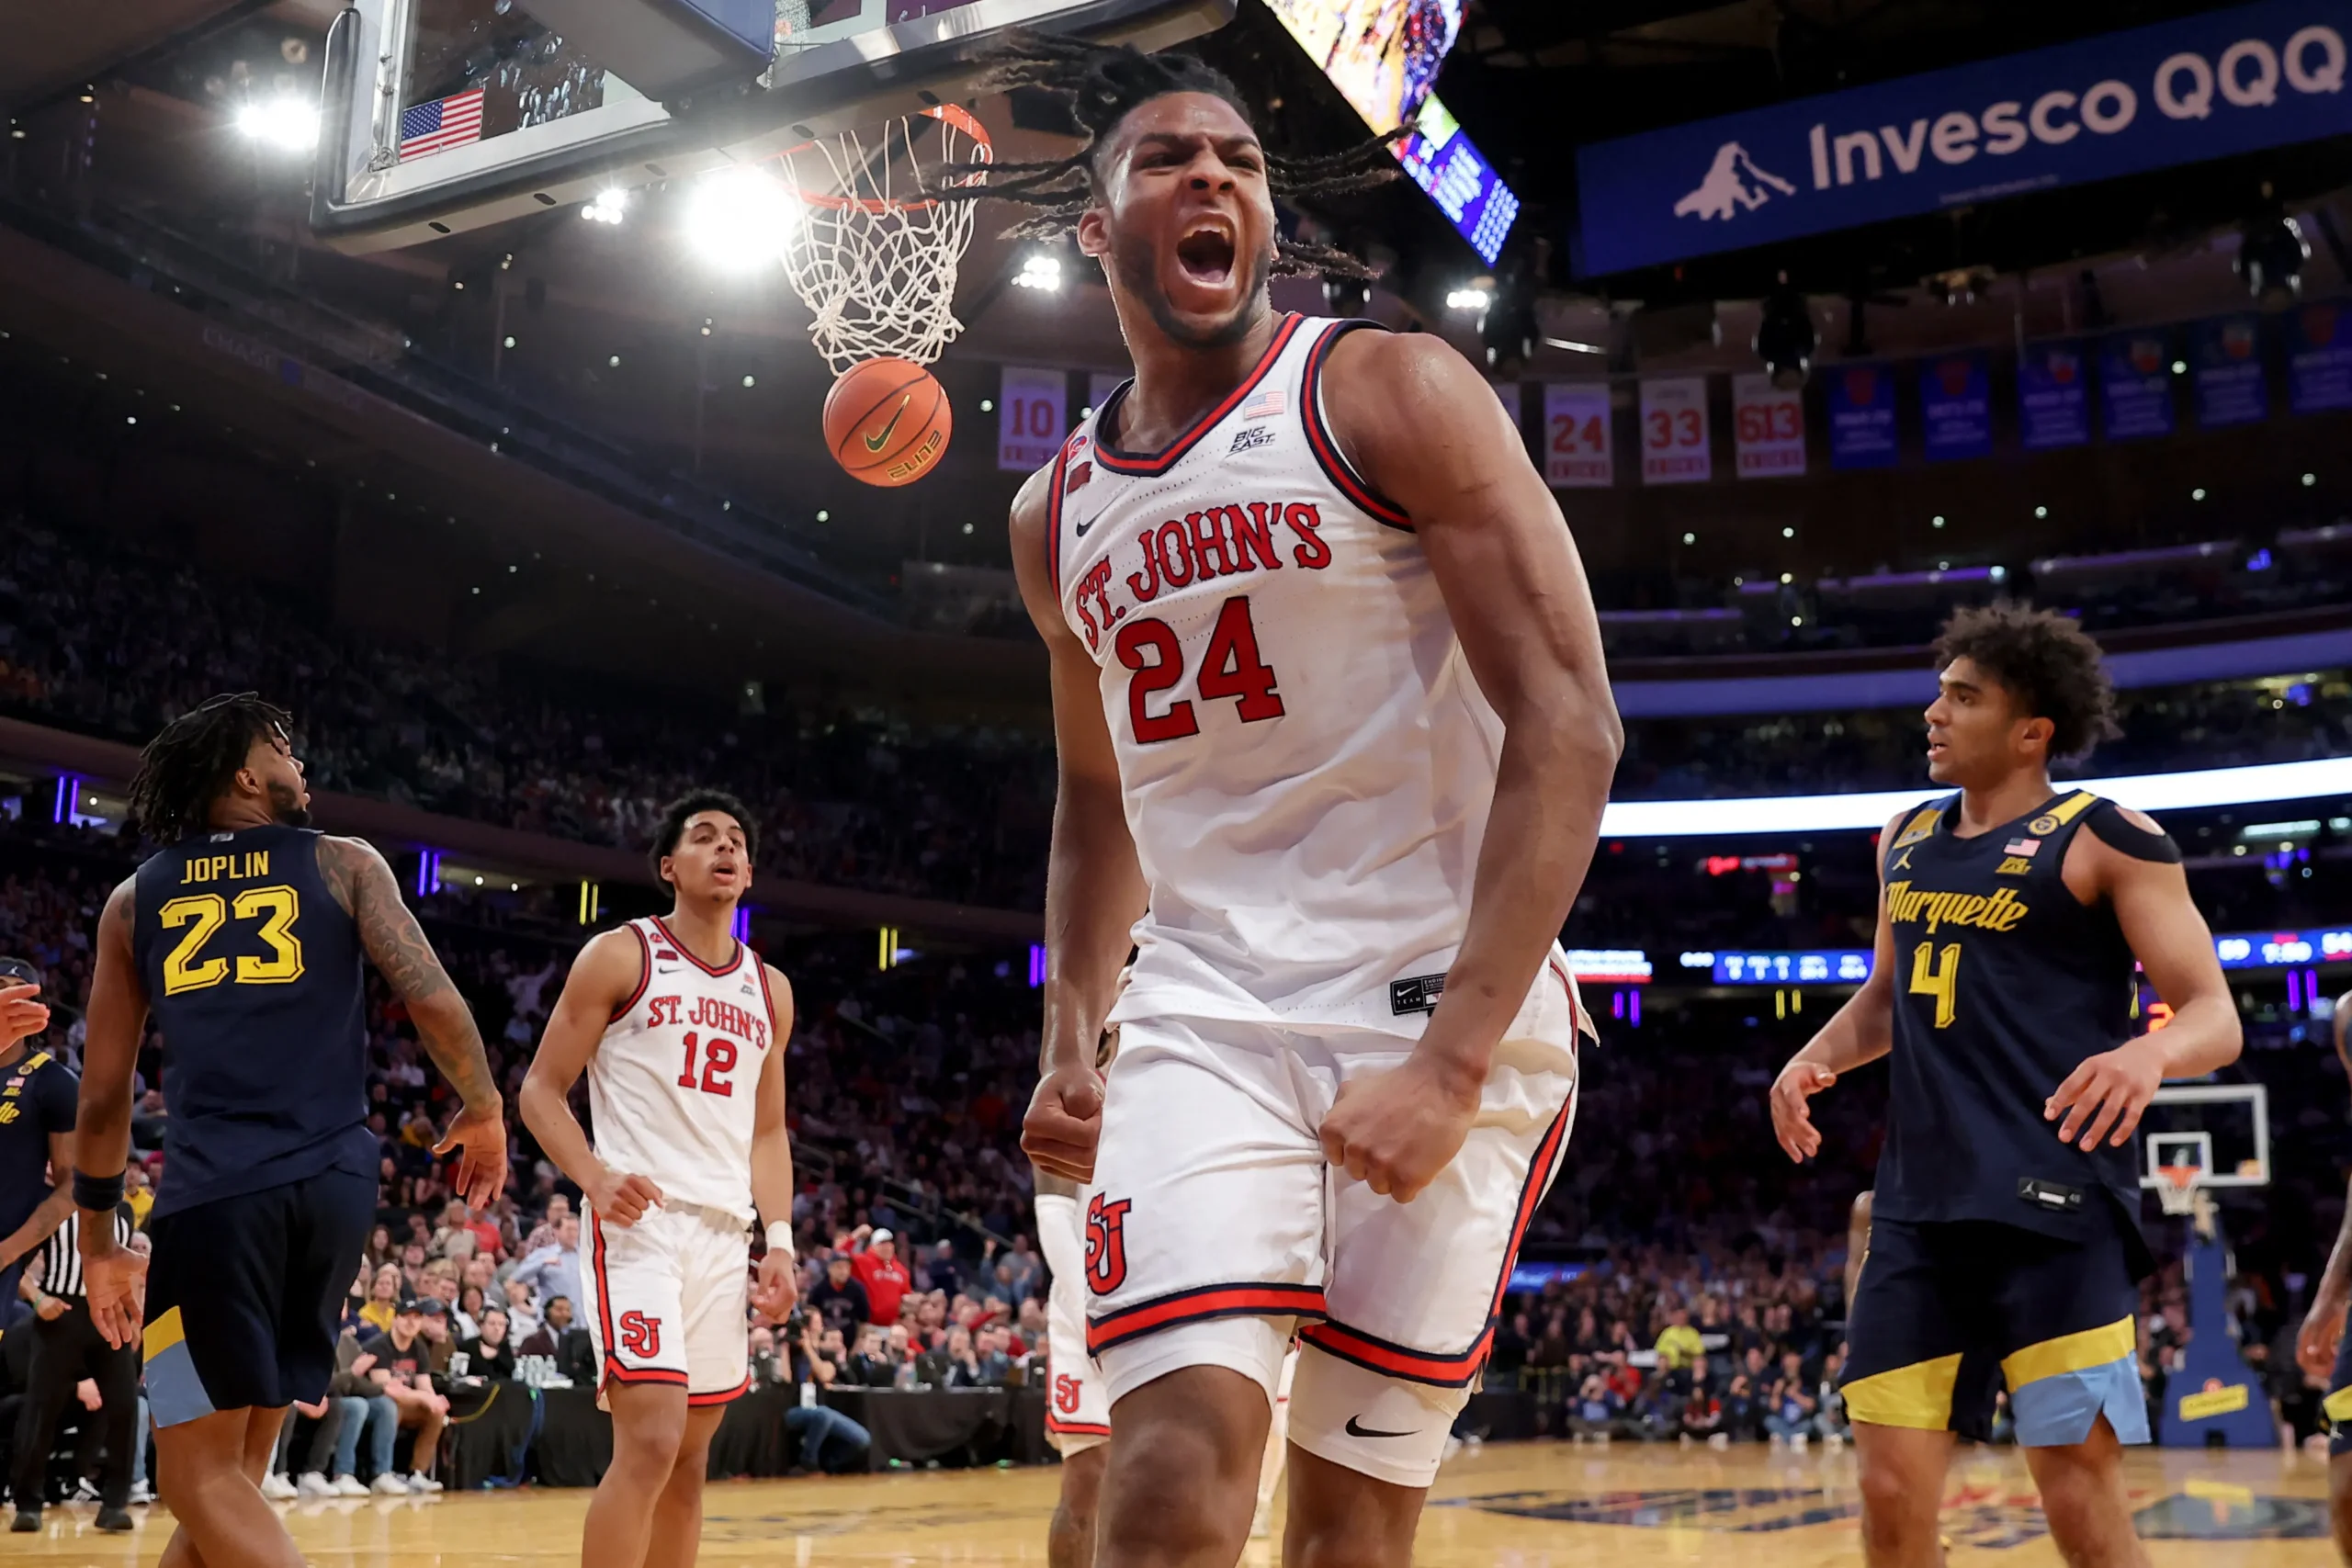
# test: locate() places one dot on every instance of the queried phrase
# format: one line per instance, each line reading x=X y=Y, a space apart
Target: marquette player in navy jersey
x=243 y=937
x=2004 y=1244
x=2323 y=1349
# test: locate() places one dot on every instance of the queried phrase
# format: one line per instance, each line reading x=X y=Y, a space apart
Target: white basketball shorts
x=1077 y=1404
x=1215 y=1225
x=669 y=1300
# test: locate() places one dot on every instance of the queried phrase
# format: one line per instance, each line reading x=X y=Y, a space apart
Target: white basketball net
x=873 y=255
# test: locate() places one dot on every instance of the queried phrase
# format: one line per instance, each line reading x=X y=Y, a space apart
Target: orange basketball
x=887 y=421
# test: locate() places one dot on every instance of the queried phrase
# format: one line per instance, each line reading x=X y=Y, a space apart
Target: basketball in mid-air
x=887 y=421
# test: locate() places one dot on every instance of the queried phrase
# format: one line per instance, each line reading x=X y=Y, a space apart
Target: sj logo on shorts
x=1066 y=1389
x=641 y=1335
x=1106 y=1245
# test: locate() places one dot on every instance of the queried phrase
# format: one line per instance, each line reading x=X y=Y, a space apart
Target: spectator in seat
x=1830 y=1422
x=1679 y=1342
x=869 y=1364
x=839 y=1299
x=961 y=1363
x=383 y=1299
x=402 y=1371
x=361 y=1410
x=554 y=1269
x=875 y=1263
x=1597 y=1412
x=1743 y=1414
x=523 y=1317
x=944 y=1272
x=1790 y=1403
x=1702 y=1416
x=994 y=1347
x=568 y=1343
x=489 y=1353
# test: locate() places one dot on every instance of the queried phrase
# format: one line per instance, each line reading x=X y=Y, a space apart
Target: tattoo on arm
x=397 y=945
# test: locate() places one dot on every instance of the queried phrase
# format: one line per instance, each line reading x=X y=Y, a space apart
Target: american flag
x=441 y=124
x=1266 y=405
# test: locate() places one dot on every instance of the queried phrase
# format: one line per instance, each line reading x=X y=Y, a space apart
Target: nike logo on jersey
x=1080 y=531
x=876 y=443
x=1356 y=1428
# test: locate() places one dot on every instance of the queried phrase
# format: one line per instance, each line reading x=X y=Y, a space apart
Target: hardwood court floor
x=1517 y=1505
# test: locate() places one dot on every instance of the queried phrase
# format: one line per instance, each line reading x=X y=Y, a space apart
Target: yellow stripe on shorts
x=2070 y=1353
x=1919 y=1395
x=161 y=1335
x=2338 y=1405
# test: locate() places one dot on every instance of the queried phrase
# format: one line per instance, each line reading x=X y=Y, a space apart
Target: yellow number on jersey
x=205 y=913
x=1937 y=975
x=279 y=906
x=202 y=913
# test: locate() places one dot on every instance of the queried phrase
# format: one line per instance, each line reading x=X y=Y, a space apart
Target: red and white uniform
x=1308 y=764
x=673 y=1097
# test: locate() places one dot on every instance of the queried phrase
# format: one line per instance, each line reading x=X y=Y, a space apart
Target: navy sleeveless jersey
x=252 y=971
x=2004 y=983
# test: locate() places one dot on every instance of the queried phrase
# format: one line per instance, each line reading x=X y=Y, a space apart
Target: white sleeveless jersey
x=1307 y=759
x=673 y=1086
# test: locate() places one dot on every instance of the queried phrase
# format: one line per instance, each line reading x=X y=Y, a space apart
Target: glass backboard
x=442 y=116
x=2223 y=1129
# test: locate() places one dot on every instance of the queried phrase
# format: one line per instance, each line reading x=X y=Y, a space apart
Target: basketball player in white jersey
x=681 y=1030
x=1335 y=736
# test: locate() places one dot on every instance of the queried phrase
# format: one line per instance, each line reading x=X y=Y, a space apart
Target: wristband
x=780 y=1238
x=100 y=1194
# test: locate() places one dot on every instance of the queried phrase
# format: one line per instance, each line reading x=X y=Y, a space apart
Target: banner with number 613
x=1767 y=428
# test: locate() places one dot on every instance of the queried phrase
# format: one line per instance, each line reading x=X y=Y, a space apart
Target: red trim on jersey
x=1123 y=463
x=615 y=1372
x=768 y=997
x=1575 y=1009
x=1204 y=1300
x=1054 y=521
x=1076 y=1428
x=1334 y=462
x=688 y=953
x=1456 y=1370
x=724 y=1396
x=644 y=974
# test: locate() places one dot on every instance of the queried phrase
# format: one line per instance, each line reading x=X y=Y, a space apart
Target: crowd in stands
x=97 y=637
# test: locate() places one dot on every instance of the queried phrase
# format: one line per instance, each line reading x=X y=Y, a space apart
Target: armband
x=2120 y=833
x=99 y=1194
x=780 y=1238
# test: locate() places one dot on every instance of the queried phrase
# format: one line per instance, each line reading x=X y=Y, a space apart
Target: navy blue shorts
x=2338 y=1404
x=245 y=1295
x=1947 y=1312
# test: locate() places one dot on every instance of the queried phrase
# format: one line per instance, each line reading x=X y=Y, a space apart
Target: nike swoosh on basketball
x=1356 y=1428
x=876 y=443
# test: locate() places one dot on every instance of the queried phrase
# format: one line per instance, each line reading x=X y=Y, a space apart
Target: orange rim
x=952 y=116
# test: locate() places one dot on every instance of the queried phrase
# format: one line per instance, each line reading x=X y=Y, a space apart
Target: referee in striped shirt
x=67 y=1348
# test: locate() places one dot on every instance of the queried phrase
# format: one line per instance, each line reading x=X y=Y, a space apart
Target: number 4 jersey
x=1307 y=759
x=672 y=1089
x=253 y=975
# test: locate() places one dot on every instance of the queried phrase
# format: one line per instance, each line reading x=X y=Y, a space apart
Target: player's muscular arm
x=1094 y=887
x=777 y=1287
x=2104 y=1098
x=364 y=884
x=602 y=978
x=1862 y=1030
x=111 y=1030
x=1426 y=430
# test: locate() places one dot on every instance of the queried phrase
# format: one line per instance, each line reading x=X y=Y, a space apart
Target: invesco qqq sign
x=2206 y=86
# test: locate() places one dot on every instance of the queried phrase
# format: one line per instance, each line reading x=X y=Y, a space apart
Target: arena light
x=737 y=219
x=286 y=124
x=2188 y=791
x=1041 y=272
x=609 y=206
x=1474 y=300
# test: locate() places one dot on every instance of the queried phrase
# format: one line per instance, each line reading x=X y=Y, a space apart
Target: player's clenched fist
x=1792 y=1117
x=624 y=1199
x=1065 y=1122
x=778 y=1285
x=1395 y=1130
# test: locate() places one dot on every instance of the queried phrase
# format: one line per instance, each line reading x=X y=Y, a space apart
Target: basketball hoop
x=2176 y=1186
x=874 y=252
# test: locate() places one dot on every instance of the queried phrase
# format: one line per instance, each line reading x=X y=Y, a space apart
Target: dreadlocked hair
x=1102 y=85
x=187 y=766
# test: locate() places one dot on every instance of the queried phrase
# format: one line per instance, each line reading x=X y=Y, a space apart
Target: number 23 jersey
x=1306 y=761
x=672 y=1089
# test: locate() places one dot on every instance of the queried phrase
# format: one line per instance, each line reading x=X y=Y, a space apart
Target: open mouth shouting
x=1205 y=253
